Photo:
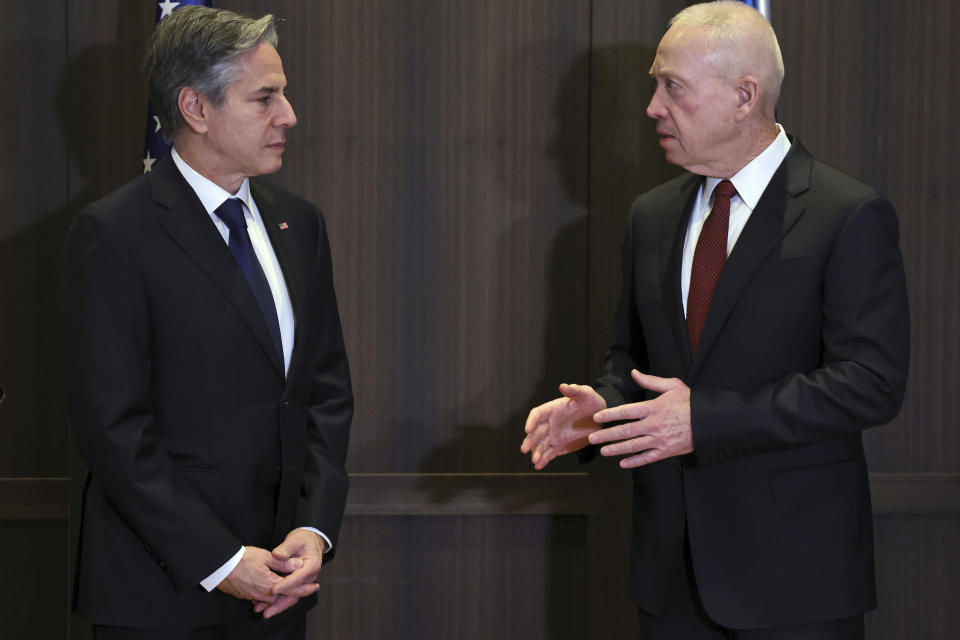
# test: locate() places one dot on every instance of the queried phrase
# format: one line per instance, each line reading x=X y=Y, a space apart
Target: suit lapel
x=671 y=261
x=284 y=246
x=183 y=217
x=776 y=212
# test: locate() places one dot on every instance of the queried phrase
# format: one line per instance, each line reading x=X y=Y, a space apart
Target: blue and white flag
x=763 y=6
x=155 y=147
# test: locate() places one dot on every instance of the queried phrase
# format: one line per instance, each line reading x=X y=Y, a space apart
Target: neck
x=201 y=160
x=751 y=145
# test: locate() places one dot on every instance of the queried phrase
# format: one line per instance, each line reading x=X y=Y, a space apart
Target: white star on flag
x=148 y=163
x=167 y=7
x=157 y=130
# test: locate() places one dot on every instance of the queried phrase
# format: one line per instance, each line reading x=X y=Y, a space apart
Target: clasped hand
x=655 y=429
x=258 y=575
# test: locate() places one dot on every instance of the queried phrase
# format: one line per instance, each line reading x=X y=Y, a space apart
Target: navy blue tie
x=231 y=212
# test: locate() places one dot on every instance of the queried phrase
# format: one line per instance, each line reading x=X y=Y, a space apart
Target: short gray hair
x=198 y=47
x=729 y=24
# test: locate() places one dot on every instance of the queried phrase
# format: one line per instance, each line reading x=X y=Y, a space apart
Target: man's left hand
x=301 y=551
x=660 y=428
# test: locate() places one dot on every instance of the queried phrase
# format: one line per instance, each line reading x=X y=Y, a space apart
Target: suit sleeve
x=329 y=412
x=108 y=338
x=628 y=351
x=865 y=347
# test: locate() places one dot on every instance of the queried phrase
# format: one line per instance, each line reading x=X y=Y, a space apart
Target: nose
x=655 y=107
x=287 y=118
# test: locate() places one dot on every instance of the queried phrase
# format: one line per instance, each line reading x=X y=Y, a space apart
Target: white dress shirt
x=750 y=183
x=212 y=196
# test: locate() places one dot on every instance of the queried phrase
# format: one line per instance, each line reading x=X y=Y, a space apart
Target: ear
x=748 y=96
x=193 y=109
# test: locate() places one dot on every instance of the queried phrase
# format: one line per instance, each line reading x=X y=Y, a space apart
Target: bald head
x=718 y=72
x=740 y=42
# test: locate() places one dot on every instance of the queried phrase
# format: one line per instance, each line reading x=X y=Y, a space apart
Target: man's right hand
x=253 y=578
x=562 y=425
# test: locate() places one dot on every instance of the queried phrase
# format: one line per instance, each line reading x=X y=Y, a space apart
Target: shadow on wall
x=601 y=141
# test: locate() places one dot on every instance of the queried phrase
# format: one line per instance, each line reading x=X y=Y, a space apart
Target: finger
x=260 y=606
x=300 y=590
x=532 y=419
x=284 y=565
x=653 y=383
x=282 y=604
x=619 y=432
x=283 y=551
x=634 y=445
x=643 y=458
x=574 y=391
x=545 y=458
x=632 y=411
x=534 y=437
x=307 y=574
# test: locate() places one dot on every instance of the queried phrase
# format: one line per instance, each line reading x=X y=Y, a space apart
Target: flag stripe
x=154 y=146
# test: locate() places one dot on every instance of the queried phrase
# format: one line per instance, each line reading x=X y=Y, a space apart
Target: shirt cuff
x=322 y=535
x=210 y=582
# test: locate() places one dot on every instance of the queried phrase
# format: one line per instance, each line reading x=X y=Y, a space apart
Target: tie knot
x=724 y=189
x=231 y=212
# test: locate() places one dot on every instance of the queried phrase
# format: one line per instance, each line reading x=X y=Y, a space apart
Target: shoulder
x=820 y=183
x=268 y=193
x=658 y=211
x=670 y=191
x=121 y=203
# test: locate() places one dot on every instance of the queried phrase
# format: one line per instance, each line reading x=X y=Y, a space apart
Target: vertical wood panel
x=425 y=135
x=456 y=577
x=625 y=159
x=33 y=187
x=918 y=578
x=871 y=88
x=33 y=580
x=103 y=101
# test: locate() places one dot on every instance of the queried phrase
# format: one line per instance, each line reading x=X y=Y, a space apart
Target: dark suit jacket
x=806 y=344
x=196 y=442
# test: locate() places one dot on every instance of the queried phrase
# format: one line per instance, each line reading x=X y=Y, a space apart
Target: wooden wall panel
x=625 y=159
x=425 y=134
x=918 y=578
x=456 y=577
x=33 y=580
x=33 y=185
x=871 y=88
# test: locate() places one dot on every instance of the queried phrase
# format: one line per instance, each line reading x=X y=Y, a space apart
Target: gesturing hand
x=562 y=425
x=660 y=429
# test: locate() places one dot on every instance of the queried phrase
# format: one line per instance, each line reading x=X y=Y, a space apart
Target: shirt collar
x=210 y=194
x=752 y=180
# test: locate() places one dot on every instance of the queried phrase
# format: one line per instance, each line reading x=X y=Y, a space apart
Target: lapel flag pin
x=284 y=225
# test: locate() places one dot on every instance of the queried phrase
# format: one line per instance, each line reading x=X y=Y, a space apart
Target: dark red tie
x=708 y=261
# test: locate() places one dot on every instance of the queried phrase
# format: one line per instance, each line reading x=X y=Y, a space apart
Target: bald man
x=762 y=326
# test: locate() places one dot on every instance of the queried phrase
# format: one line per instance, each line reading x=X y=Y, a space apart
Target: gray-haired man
x=212 y=396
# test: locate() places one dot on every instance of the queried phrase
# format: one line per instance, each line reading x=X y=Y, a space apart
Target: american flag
x=763 y=6
x=155 y=147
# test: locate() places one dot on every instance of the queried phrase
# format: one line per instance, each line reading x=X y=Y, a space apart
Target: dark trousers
x=686 y=619
x=290 y=625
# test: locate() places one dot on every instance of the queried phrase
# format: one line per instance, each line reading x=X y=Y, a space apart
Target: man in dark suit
x=764 y=301
x=211 y=396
